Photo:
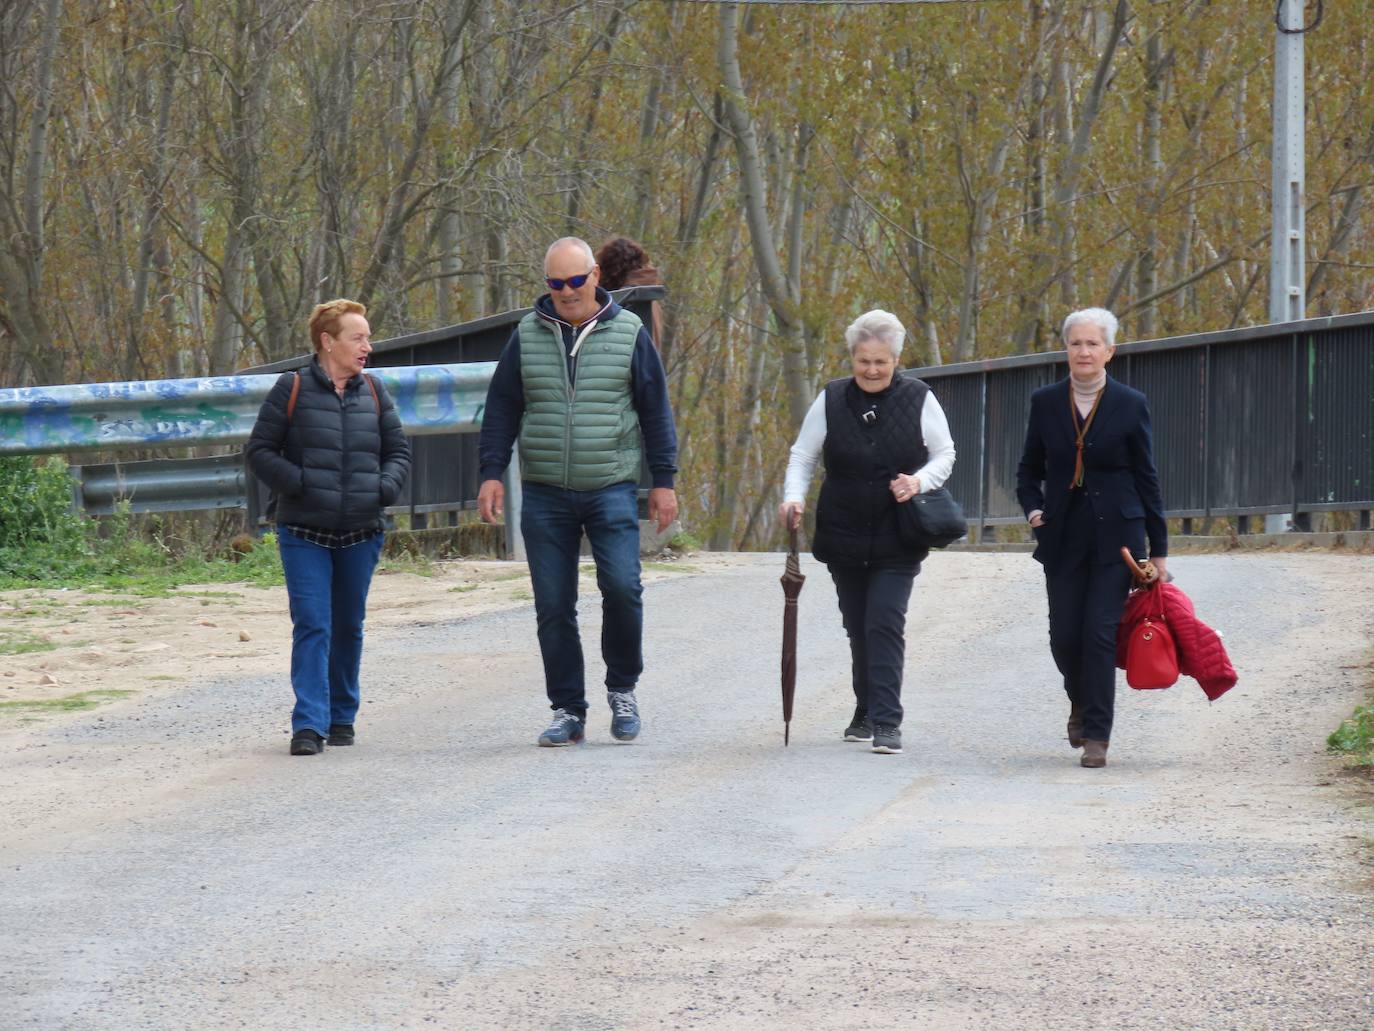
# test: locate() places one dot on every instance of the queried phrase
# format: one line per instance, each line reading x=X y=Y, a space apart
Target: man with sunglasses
x=578 y=384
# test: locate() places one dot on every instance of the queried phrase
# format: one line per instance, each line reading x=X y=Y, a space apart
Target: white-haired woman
x=884 y=439
x=1088 y=485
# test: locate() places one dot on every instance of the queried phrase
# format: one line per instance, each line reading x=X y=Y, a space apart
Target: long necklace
x=1083 y=425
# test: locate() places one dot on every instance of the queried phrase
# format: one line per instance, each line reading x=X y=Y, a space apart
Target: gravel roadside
x=166 y=864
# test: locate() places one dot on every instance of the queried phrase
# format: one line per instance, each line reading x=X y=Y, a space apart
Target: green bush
x=44 y=542
x=1355 y=736
x=40 y=535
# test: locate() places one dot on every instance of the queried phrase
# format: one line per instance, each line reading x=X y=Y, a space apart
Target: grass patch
x=670 y=567
x=522 y=596
x=22 y=644
x=405 y=562
x=67 y=703
x=1354 y=738
x=463 y=588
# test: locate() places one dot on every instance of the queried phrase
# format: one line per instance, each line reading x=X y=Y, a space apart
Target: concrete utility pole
x=1287 y=300
x=1287 y=283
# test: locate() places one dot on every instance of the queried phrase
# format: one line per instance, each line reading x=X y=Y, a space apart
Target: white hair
x=878 y=325
x=1099 y=317
x=571 y=241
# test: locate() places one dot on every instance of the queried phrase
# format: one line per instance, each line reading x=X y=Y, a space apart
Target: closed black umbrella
x=792 y=581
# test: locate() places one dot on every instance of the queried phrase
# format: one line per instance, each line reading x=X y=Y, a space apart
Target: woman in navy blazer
x=1088 y=485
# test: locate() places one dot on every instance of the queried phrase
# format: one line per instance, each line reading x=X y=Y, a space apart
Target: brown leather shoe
x=1094 y=754
x=1075 y=727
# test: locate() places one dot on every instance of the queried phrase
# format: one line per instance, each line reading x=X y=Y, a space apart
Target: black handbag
x=932 y=519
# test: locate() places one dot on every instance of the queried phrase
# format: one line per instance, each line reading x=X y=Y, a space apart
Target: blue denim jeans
x=327 y=588
x=552 y=521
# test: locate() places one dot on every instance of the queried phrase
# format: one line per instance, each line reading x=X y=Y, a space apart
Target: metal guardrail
x=164 y=485
x=1264 y=420
x=431 y=399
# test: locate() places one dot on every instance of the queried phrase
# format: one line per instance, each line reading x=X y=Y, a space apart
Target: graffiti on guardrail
x=214 y=410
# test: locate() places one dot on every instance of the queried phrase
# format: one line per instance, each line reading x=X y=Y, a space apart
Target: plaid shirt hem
x=331 y=538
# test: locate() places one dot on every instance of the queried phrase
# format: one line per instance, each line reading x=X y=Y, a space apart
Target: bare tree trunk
x=1055 y=266
x=1346 y=223
x=587 y=139
x=153 y=231
x=226 y=337
x=1147 y=269
x=1030 y=303
x=646 y=179
x=980 y=203
x=782 y=295
x=448 y=233
x=404 y=201
x=22 y=243
x=689 y=223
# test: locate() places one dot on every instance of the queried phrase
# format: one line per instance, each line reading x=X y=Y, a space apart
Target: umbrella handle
x=794 y=533
x=1144 y=572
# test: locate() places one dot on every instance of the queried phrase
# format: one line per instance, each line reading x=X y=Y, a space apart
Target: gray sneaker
x=860 y=727
x=887 y=740
x=624 y=715
x=565 y=729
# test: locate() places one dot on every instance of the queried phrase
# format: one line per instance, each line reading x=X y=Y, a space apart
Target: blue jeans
x=327 y=588
x=552 y=521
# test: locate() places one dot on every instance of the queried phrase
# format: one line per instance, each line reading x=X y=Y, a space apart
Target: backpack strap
x=295 y=393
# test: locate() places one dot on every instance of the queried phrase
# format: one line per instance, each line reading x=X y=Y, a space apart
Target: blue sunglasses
x=576 y=282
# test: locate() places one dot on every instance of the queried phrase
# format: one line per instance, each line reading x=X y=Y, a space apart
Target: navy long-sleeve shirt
x=648 y=386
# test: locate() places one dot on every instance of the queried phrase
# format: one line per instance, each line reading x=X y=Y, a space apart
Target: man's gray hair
x=1099 y=317
x=878 y=325
x=572 y=241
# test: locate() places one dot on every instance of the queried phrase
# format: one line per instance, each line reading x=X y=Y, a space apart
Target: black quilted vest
x=856 y=517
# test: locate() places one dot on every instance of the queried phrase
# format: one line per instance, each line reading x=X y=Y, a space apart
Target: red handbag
x=1151 y=657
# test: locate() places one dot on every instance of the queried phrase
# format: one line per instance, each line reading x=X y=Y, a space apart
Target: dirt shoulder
x=67 y=650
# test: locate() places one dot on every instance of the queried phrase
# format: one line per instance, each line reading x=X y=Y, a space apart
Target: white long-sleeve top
x=806 y=452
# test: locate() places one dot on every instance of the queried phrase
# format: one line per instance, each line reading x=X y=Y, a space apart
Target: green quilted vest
x=588 y=437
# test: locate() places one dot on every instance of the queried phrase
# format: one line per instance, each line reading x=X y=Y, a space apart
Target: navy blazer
x=1119 y=473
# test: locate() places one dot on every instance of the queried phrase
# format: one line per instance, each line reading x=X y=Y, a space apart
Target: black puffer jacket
x=856 y=516
x=335 y=464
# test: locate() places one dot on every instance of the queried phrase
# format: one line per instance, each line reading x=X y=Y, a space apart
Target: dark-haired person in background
x=623 y=262
x=328 y=442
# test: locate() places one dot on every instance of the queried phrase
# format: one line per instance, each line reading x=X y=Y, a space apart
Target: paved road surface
x=168 y=865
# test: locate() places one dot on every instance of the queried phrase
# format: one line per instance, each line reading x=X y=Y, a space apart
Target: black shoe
x=887 y=740
x=306 y=742
x=340 y=734
x=860 y=727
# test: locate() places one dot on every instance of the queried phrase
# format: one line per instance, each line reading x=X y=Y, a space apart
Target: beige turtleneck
x=1084 y=394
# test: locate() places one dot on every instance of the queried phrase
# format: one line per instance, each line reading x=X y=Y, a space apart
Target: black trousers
x=873 y=600
x=1086 y=597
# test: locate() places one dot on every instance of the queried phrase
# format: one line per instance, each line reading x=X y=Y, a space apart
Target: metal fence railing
x=1275 y=419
